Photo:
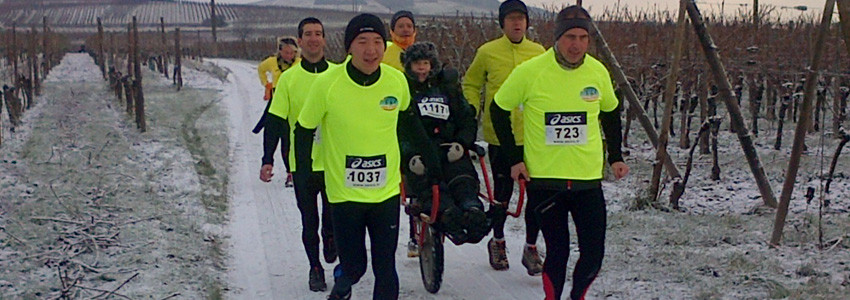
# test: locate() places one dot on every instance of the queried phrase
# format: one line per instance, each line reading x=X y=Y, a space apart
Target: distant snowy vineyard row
x=86 y=14
x=148 y=13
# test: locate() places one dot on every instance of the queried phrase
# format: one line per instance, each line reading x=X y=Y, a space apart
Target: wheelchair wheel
x=431 y=260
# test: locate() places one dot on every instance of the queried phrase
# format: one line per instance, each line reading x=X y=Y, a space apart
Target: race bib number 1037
x=366 y=172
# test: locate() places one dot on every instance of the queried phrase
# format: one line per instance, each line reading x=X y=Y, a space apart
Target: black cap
x=401 y=14
x=571 y=17
x=363 y=23
x=511 y=6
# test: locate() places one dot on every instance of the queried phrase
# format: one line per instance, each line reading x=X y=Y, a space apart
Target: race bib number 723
x=366 y=172
x=566 y=128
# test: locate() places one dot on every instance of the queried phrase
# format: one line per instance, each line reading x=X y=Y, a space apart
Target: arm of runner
x=609 y=116
x=303 y=148
x=502 y=125
x=509 y=96
x=275 y=129
x=612 y=126
x=261 y=71
x=473 y=81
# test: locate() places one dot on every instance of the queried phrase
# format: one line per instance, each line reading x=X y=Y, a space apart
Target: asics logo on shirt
x=433 y=100
x=360 y=163
x=566 y=118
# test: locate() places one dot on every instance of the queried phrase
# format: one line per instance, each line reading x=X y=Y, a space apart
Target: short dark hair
x=309 y=20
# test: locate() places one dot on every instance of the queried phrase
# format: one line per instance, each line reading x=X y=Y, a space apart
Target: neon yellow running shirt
x=359 y=133
x=291 y=91
x=561 y=110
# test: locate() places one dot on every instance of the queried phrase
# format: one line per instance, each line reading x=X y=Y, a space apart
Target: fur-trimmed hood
x=419 y=51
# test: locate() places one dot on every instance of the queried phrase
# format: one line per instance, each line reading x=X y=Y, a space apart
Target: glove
x=455 y=151
x=416 y=166
x=268 y=95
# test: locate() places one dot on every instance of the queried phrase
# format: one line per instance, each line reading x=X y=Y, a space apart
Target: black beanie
x=571 y=17
x=401 y=14
x=511 y=6
x=364 y=23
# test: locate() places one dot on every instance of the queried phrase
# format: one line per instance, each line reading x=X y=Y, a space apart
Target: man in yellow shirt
x=403 y=34
x=362 y=108
x=289 y=96
x=270 y=70
x=565 y=93
x=492 y=64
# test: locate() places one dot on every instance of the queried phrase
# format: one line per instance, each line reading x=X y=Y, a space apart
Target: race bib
x=434 y=107
x=366 y=172
x=566 y=128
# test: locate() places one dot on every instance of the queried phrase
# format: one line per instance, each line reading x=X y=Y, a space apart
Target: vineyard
x=82 y=14
x=780 y=94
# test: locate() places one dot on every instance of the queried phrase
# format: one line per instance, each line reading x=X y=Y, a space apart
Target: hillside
x=424 y=7
x=75 y=15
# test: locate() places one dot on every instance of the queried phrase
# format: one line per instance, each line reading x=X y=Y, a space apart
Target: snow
x=79 y=157
x=221 y=231
x=716 y=249
x=268 y=259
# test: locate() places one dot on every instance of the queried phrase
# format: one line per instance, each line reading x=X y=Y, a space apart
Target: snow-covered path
x=267 y=259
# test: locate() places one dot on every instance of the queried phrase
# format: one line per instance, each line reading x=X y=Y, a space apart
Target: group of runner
x=351 y=131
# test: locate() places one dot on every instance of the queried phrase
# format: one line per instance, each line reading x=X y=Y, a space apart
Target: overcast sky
x=596 y=6
x=673 y=4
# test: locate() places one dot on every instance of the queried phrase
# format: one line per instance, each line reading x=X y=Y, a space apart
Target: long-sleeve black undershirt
x=277 y=128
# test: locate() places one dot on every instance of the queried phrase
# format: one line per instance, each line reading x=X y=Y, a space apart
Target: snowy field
x=179 y=211
x=85 y=195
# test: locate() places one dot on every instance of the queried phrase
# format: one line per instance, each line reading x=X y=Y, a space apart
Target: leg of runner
x=552 y=209
x=503 y=187
x=328 y=244
x=588 y=212
x=349 y=222
x=382 y=222
x=305 y=195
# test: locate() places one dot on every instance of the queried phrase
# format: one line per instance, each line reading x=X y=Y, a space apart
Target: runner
x=362 y=108
x=403 y=33
x=289 y=96
x=565 y=93
x=270 y=70
x=493 y=62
